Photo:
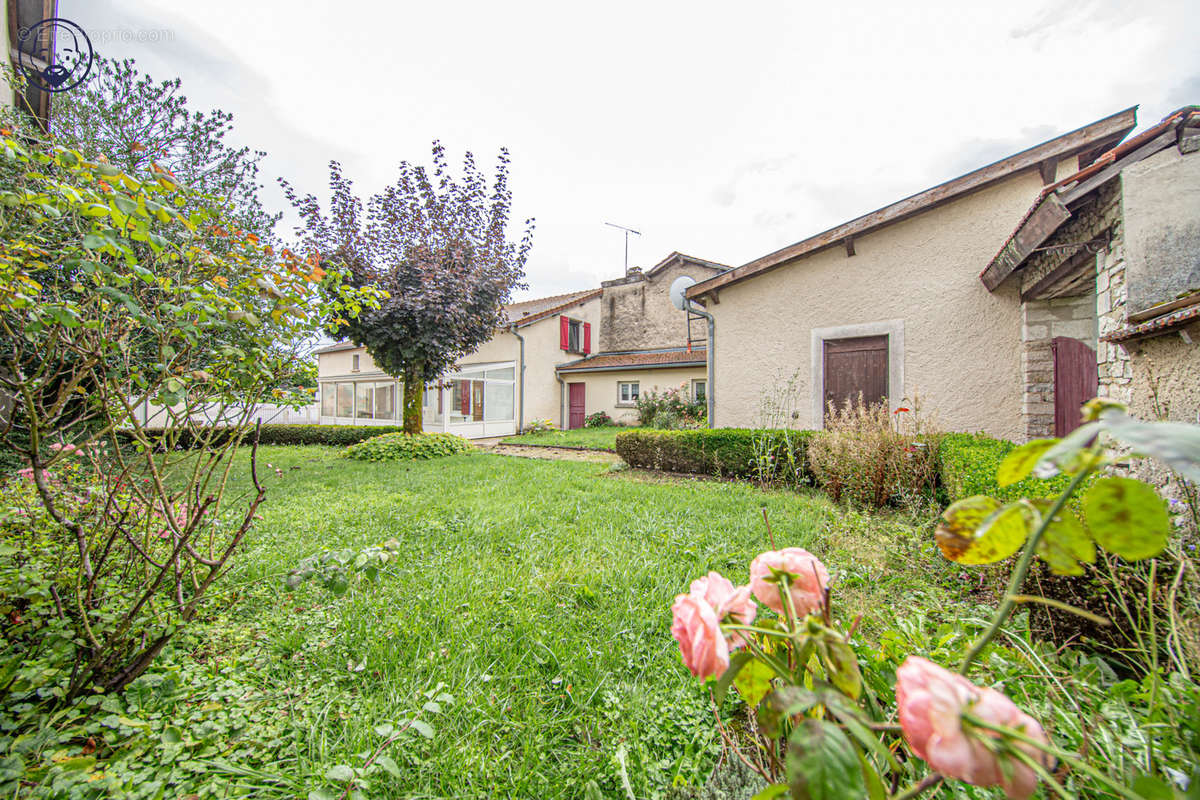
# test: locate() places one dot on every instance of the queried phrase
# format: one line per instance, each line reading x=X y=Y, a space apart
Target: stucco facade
x=543 y=353
x=961 y=349
x=601 y=388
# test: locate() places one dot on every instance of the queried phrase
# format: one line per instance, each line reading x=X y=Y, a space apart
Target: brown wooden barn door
x=1076 y=381
x=576 y=405
x=853 y=366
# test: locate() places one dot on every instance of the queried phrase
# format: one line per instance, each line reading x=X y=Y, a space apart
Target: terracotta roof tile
x=639 y=359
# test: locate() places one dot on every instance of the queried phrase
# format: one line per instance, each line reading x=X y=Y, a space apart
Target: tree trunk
x=412 y=400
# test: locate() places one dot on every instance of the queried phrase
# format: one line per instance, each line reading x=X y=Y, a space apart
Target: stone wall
x=637 y=313
x=1112 y=360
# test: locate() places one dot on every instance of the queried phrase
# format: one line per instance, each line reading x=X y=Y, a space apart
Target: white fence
x=154 y=416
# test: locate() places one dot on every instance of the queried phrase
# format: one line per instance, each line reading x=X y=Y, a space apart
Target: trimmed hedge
x=967 y=464
x=332 y=435
x=726 y=452
x=404 y=447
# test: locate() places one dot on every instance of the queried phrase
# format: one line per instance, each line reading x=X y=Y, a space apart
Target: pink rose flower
x=806 y=584
x=696 y=627
x=931 y=700
x=729 y=603
x=66 y=449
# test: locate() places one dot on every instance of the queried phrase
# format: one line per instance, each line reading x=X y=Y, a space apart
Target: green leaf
x=875 y=790
x=340 y=773
x=753 y=682
x=77 y=764
x=389 y=766
x=1176 y=444
x=822 y=764
x=1020 y=462
x=171 y=735
x=321 y=794
x=978 y=530
x=1152 y=788
x=782 y=704
x=771 y=792
x=841 y=663
x=1064 y=543
x=736 y=662
x=422 y=727
x=93 y=242
x=1127 y=517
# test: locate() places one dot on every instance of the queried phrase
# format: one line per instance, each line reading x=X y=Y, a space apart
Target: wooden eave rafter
x=1059 y=200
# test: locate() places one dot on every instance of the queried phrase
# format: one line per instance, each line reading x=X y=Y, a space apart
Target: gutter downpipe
x=562 y=389
x=712 y=352
x=521 y=400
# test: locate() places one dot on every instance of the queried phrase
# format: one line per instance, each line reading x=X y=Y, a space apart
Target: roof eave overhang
x=1102 y=133
x=628 y=367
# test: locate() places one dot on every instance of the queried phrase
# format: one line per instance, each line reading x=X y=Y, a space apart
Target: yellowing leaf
x=1065 y=543
x=753 y=682
x=977 y=530
x=1127 y=517
x=1020 y=462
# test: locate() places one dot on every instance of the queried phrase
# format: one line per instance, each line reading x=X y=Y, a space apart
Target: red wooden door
x=576 y=405
x=1076 y=381
x=854 y=366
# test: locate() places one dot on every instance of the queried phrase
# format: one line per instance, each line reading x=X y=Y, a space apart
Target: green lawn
x=594 y=438
x=537 y=593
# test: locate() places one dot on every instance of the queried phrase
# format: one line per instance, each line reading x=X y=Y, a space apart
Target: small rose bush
x=821 y=728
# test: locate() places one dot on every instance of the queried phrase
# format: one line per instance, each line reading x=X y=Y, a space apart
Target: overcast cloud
x=722 y=130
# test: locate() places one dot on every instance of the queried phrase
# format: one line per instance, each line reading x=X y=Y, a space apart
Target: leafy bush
x=403 y=447
x=331 y=435
x=539 y=425
x=967 y=464
x=670 y=410
x=600 y=419
x=728 y=452
x=874 y=457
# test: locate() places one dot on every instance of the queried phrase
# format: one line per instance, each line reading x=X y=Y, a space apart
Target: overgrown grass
x=537 y=592
x=594 y=438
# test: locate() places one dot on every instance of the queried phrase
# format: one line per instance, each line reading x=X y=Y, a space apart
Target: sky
x=720 y=130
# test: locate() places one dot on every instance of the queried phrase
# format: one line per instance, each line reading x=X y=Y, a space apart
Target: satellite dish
x=678 y=287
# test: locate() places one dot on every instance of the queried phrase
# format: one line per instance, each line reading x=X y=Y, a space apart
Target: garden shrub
x=539 y=425
x=967 y=464
x=600 y=419
x=404 y=447
x=670 y=409
x=331 y=435
x=728 y=452
x=875 y=457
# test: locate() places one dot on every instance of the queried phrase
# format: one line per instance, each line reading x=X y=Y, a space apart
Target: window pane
x=385 y=401
x=363 y=406
x=505 y=374
x=345 y=399
x=328 y=399
x=477 y=401
x=498 y=401
x=575 y=337
x=700 y=389
x=475 y=374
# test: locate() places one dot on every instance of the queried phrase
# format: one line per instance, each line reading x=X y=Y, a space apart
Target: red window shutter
x=587 y=338
x=564 y=332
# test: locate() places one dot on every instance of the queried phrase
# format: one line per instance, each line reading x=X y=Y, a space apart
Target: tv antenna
x=627 y=232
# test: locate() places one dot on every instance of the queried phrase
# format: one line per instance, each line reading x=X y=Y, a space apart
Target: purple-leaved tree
x=438 y=246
